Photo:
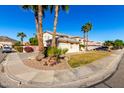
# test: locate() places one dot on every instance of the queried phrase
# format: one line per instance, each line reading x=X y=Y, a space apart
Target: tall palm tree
x=40 y=29
x=39 y=13
x=57 y=8
x=22 y=36
x=86 y=28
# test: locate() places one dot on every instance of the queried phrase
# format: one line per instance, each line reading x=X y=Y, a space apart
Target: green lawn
x=82 y=59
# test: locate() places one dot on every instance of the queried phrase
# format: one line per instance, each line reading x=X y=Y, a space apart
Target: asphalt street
x=114 y=81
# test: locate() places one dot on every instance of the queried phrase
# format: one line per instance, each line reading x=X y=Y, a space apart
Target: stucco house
x=63 y=41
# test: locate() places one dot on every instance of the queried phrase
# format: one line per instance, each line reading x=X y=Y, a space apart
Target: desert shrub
x=18 y=48
x=18 y=43
x=54 y=52
x=48 y=52
x=51 y=51
x=64 y=51
x=28 y=49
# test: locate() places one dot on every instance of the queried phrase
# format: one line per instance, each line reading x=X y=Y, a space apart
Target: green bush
x=64 y=51
x=18 y=48
x=54 y=52
x=17 y=43
x=33 y=41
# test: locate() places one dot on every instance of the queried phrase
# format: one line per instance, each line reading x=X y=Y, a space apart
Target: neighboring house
x=91 y=44
x=63 y=41
x=6 y=41
x=5 y=44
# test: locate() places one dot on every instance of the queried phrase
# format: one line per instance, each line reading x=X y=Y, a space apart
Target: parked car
x=104 y=48
x=6 y=49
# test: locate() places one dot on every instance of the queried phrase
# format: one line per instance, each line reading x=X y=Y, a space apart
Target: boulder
x=40 y=56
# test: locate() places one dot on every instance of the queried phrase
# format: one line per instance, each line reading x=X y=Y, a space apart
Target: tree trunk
x=40 y=34
x=22 y=40
x=22 y=43
x=84 y=41
x=55 y=24
x=87 y=43
x=40 y=31
x=36 y=22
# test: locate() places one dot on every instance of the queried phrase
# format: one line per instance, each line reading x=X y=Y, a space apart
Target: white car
x=6 y=49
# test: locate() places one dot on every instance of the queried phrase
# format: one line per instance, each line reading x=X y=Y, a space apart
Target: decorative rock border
x=97 y=73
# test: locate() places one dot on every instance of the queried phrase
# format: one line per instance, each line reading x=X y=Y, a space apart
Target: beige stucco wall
x=70 y=47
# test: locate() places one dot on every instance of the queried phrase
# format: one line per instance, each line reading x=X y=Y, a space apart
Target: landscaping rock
x=31 y=58
x=40 y=56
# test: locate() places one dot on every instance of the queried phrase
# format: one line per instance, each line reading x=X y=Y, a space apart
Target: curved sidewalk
x=82 y=76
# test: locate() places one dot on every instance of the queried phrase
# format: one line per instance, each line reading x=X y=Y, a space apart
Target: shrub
x=33 y=41
x=28 y=49
x=51 y=51
x=64 y=51
x=18 y=43
x=54 y=52
x=18 y=48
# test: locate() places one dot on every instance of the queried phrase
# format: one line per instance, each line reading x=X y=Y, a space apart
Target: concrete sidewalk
x=82 y=76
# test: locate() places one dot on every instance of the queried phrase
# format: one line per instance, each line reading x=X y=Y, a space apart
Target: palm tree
x=40 y=29
x=57 y=8
x=22 y=36
x=86 y=28
x=38 y=15
x=38 y=11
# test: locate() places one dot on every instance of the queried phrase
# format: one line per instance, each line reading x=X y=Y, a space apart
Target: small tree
x=109 y=43
x=33 y=40
x=118 y=44
x=22 y=36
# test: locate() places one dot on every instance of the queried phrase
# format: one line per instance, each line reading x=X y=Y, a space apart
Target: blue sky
x=108 y=21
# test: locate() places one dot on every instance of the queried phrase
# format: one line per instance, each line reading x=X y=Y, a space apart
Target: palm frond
x=65 y=8
x=51 y=7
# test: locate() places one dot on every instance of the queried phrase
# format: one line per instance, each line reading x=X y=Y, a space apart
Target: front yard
x=82 y=59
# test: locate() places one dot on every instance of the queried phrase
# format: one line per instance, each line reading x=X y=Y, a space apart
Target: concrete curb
x=85 y=82
x=96 y=78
